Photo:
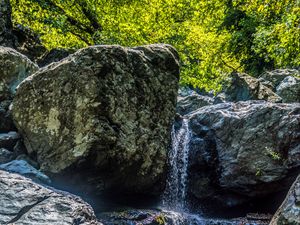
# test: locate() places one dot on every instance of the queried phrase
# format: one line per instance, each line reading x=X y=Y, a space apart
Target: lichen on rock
x=104 y=114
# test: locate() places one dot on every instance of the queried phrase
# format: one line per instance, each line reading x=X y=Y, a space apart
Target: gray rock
x=289 y=211
x=5 y=155
x=23 y=202
x=103 y=114
x=192 y=102
x=17 y=67
x=289 y=89
x=24 y=168
x=243 y=87
x=245 y=149
x=9 y=140
x=274 y=77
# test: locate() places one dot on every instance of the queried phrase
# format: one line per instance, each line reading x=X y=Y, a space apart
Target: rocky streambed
x=109 y=124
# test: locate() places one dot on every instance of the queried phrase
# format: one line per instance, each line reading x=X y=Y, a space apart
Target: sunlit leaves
x=213 y=37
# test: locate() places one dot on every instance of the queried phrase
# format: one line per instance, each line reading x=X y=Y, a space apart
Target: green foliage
x=213 y=38
x=258 y=172
x=274 y=155
x=160 y=219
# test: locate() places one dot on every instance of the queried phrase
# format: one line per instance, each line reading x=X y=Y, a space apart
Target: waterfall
x=175 y=194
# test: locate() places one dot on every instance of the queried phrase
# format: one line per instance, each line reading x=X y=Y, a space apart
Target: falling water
x=175 y=194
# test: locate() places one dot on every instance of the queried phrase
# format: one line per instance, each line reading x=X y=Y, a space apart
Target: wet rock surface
x=163 y=217
x=102 y=115
x=26 y=203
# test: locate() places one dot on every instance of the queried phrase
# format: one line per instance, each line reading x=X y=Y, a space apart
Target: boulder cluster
x=98 y=122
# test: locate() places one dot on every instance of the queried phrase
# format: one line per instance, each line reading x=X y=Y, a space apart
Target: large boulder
x=289 y=211
x=244 y=150
x=102 y=116
x=17 y=68
x=25 y=202
x=243 y=87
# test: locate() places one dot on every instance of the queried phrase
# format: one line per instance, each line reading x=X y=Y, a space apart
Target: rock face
x=289 y=211
x=246 y=149
x=192 y=102
x=289 y=89
x=273 y=78
x=244 y=87
x=24 y=202
x=24 y=168
x=103 y=114
x=285 y=82
x=17 y=67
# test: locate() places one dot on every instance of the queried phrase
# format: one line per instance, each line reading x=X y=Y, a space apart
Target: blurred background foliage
x=213 y=37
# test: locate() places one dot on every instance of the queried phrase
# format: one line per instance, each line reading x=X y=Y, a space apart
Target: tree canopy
x=213 y=37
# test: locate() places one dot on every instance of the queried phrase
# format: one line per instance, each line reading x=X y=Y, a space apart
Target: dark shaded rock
x=29 y=43
x=6 y=37
x=54 y=55
x=162 y=217
x=6 y=123
x=27 y=203
x=24 y=168
x=289 y=211
x=17 y=68
x=243 y=87
x=243 y=149
x=5 y=155
x=19 y=148
x=289 y=89
x=9 y=140
x=102 y=116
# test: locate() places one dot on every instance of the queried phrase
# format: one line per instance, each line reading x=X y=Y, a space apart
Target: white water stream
x=174 y=197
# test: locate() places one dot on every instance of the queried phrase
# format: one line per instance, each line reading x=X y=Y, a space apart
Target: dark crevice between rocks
x=26 y=209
